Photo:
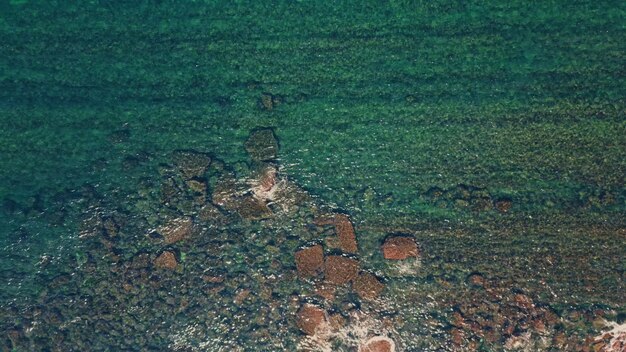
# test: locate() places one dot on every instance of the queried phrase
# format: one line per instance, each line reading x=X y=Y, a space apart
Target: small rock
x=340 y=270
x=166 y=260
x=269 y=101
x=310 y=261
x=310 y=319
x=176 y=230
x=210 y=213
x=345 y=232
x=191 y=163
x=367 y=286
x=325 y=291
x=262 y=145
x=399 y=248
x=378 y=344
x=252 y=209
x=503 y=205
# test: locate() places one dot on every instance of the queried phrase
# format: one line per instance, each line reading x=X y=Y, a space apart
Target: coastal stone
x=399 y=248
x=367 y=286
x=310 y=319
x=262 y=145
x=340 y=270
x=191 y=163
x=176 y=230
x=378 y=344
x=310 y=261
x=166 y=260
x=346 y=234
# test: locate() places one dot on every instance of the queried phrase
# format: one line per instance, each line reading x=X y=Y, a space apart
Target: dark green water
x=414 y=117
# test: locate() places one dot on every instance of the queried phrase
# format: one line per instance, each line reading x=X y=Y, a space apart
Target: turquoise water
x=491 y=133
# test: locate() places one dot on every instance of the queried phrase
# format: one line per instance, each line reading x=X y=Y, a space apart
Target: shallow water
x=491 y=134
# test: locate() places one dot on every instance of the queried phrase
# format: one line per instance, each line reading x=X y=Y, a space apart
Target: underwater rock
x=310 y=261
x=191 y=163
x=262 y=145
x=166 y=260
x=378 y=344
x=226 y=192
x=310 y=319
x=340 y=270
x=268 y=101
x=176 y=230
x=251 y=208
x=367 y=286
x=211 y=214
x=399 y=248
x=345 y=232
x=503 y=205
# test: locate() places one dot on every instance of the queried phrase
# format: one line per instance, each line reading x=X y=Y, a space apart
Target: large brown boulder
x=367 y=286
x=340 y=270
x=311 y=318
x=310 y=261
x=166 y=260
x=378 y=344
x=400 y=247
x=346 y=234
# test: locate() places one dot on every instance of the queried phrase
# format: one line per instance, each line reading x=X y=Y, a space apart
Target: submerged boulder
x=166 y=260
x=262 y=145
x=367 y=286
x=340 y=270
x=346 y=234
x=311 y=318
x=176 y=230
x=310 y=261
x=191 y=163
x=400 y=247
x=378 y=344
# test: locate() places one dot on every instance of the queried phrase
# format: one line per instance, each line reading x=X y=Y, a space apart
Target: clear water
x=492 y=134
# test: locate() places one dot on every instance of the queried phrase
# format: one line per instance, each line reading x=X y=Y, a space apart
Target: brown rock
x=166 y=260
x=191 y=163
x=176 y=230
x=340 y=270
x=400 y=247
x=345 y=232
x=310 y=319
x=378 y=344
x=367 y=286
x=310 y=261
x=252 y=209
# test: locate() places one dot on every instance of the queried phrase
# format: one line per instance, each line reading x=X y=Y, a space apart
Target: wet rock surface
x=208 y=258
